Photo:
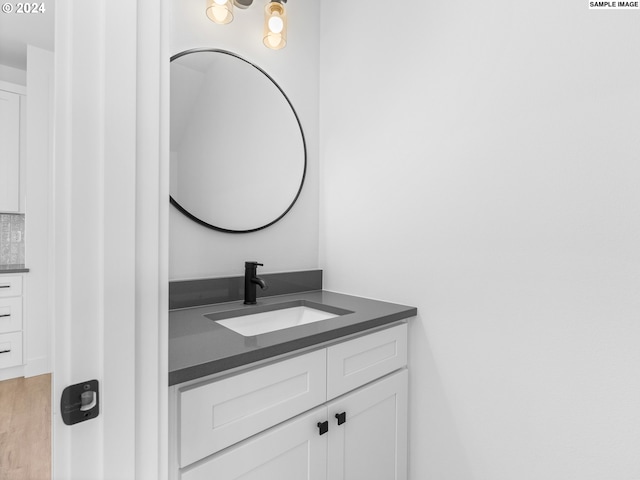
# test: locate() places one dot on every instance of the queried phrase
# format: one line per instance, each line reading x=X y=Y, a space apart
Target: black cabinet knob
x=323 y=427
x=342 y=417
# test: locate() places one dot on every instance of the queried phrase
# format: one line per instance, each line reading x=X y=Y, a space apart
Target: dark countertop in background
x=16 y=268
x=199 y=346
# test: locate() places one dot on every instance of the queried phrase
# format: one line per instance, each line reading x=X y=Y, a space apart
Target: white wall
x=292 y=243
x=480 y=161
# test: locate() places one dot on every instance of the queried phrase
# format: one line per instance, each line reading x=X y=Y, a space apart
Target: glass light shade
x=275 y=26
x=220 y=11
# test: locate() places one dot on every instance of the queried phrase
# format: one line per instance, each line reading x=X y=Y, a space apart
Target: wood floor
x=25 y=428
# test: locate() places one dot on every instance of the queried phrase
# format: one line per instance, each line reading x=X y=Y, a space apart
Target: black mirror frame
x=189 y=215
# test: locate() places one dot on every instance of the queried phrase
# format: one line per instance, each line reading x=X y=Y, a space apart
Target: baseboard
x=11 y=372
x=37 y=366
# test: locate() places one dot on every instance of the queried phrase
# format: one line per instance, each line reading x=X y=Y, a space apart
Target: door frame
x=110 y=238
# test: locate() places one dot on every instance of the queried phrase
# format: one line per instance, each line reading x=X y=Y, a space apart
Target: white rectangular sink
x=275 y=317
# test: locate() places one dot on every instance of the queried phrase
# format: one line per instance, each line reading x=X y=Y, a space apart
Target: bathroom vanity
x=321 y=400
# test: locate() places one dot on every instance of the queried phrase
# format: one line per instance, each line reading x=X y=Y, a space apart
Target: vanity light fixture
x=275 y=19
x=275 y=25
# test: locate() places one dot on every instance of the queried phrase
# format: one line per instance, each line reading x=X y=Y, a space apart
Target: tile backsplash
x=11 y=239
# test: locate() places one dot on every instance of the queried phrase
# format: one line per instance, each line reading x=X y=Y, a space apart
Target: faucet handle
x=246 y=264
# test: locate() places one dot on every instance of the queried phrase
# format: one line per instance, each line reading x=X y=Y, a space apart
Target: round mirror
x=238 y=153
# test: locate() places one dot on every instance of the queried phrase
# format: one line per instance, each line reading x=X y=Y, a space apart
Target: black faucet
x=250 y=282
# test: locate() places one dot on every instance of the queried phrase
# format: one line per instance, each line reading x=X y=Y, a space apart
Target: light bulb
x=219 y=14
x=273 y=41
x=275 y=23
x=220 y=11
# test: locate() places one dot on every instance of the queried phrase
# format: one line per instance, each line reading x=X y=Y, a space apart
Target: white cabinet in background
x=10 y=321
x=336 y=413
x=9 y=151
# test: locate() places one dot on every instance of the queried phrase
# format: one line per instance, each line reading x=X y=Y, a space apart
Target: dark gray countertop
x=199 y=346
x=16 y=268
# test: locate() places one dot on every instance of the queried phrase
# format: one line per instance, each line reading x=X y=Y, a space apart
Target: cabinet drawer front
x=293 y=450
x=10 y=286
x=216 y=415
x=361 y=360
x=10 y=314
x=10 y=349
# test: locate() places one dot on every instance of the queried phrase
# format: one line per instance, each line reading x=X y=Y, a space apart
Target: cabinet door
x=371 y=444
x=9 y=152
x=294 y=450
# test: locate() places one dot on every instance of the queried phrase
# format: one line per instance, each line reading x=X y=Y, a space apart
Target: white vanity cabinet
x=336 y=413
x=10 y=320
